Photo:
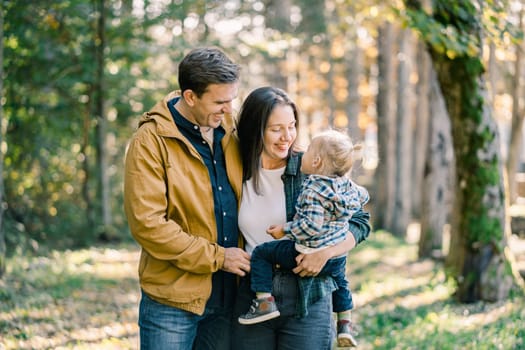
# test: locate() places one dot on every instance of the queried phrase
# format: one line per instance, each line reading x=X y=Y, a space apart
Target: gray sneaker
x=261 y=310
x=345 y=334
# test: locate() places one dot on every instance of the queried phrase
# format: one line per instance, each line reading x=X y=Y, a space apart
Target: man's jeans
x=163 y=327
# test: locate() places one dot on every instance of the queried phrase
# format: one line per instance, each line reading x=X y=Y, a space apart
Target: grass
x=87 y=299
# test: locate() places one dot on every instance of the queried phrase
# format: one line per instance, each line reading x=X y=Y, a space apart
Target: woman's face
x=279 y=135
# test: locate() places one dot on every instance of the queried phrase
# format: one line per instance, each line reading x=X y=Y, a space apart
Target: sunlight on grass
x=71 y=300
x=88 y=299
x=403 y=303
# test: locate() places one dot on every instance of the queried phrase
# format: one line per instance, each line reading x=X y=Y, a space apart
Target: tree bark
x=437 y=183
x=476 y=259
x=101 y=127
x=404 y=142
x=383 y=199
x=516 y=131
x=2 y=192
x=421 y=129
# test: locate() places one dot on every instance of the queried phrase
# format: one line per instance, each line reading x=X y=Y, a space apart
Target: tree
x=437 y=184
x=385 y=179
x=453 y=32
x=518 y=114
x=2 y=232
x=404 y=115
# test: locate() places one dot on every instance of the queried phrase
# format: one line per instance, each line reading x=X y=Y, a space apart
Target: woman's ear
x=189 y=97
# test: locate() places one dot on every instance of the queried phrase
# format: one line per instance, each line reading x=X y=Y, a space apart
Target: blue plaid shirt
x=313 y=289
x=323 y=209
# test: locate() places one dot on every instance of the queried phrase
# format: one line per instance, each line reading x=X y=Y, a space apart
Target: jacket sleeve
x=145 y=204
x=359 y=225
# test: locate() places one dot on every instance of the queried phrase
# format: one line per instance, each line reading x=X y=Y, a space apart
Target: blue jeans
x=313 y=332
x=282 y=252
x=164 y=327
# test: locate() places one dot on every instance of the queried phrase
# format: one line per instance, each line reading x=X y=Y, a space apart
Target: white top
x=258 y=212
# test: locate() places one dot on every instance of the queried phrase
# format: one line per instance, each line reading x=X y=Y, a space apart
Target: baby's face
x=310 y=162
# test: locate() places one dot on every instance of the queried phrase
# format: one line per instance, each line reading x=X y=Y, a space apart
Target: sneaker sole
x=259 y=319
x=346 y=341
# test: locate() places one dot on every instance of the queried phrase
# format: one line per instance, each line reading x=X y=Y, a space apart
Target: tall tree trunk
x=277 y=16
x=516 y=131
x=354 y=63
x=383 y=203
x=421 y=128
x=476 y=259
x=403 y=208
x=2 y=192
x=103 y=179
x=437 y=184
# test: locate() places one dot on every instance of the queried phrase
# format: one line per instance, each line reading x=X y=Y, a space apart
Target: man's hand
x=236 y=261
x=277 y=231
x=311 y=264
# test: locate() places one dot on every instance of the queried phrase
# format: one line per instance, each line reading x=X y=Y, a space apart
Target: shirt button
x=195 y=127
x=223 y=213
x=225 y=238
x=203 y=142
x=220 y=188
x=214 y=162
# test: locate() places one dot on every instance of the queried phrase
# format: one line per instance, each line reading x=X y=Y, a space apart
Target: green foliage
x=450 y=27
x=50 y=87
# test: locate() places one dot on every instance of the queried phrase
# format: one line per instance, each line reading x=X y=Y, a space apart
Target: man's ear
x=189 y=97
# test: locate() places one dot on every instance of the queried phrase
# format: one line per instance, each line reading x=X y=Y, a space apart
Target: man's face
x=209 y=109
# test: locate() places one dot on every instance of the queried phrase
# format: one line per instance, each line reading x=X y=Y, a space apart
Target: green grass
x=87 y=299
x=403 y=303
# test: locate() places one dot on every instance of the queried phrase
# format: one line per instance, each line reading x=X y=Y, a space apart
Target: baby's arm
x=277 y=231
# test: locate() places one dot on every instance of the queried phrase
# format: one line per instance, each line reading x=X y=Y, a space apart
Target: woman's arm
x=311 y=264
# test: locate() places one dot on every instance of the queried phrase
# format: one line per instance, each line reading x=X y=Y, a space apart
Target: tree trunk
x=421 y=129
x=383 y=199
x=2 y=192
x=516 y=131
x=277 y=17
x=103 y=179
x=403 y=188
x=437 y=184
x=476 y=259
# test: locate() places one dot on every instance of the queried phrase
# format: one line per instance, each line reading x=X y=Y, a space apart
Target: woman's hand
x=309 y=265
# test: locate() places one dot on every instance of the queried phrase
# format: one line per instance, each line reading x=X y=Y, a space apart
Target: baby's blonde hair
x=337 y=151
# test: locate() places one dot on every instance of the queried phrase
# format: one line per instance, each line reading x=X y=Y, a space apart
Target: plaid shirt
x=323 y=209
x=313 y=289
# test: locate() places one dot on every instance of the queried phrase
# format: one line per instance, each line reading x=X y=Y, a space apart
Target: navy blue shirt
x=224 y=200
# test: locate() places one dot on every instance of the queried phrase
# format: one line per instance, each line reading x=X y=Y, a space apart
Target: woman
x=267 y=130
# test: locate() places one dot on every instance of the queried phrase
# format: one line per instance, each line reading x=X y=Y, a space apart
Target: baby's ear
x=317 y=162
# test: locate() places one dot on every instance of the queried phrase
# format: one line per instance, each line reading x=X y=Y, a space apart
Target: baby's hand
x=276 y=231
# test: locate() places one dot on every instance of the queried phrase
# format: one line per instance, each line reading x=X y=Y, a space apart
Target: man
x=183 y=183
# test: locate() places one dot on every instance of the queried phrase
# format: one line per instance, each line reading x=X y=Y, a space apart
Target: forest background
x=433 y=89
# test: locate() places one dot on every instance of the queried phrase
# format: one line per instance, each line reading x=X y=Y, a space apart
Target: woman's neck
x=272 y=163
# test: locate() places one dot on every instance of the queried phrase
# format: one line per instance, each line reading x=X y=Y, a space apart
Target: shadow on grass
x=68 y=298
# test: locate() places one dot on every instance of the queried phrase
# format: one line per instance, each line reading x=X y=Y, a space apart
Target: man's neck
x=184 y=110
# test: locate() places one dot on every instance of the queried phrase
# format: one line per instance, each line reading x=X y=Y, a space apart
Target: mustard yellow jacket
x=168 y=202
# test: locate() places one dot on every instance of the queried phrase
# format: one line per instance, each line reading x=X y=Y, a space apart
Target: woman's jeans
x=282 y=252
x=313 y=332
x=164 y=327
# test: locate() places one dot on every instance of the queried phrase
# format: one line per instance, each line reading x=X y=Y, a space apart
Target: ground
x=87 y=299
